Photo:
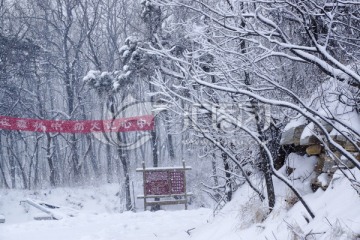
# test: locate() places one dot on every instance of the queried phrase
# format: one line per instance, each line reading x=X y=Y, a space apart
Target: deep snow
x=97 y=214
x=128 y=225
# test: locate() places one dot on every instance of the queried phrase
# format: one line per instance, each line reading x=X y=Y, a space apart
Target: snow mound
x=337 y=213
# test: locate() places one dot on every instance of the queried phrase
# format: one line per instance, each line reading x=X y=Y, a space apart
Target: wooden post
x=183 y=162
x=144 y=182
x=133 y=192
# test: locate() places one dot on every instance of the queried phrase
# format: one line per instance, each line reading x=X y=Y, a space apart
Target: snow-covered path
x=169 y=225
x=337 y=215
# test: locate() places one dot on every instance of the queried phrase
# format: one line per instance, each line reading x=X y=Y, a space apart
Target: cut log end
x=313 y=150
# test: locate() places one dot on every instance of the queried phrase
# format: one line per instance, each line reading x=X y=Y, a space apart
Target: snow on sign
x=164 y=183
x=140 y=123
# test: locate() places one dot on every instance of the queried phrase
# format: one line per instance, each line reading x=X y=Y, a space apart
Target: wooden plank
x=186 y=199
x=41 y=218
x=166 y=202
x=144 y=180
x=163 y=196
x=42 y=208
x=163 y=169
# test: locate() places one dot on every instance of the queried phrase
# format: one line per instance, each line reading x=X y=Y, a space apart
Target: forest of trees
x=229 y=73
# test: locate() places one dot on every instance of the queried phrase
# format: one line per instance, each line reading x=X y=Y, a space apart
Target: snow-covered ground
x=107 y=226
x=97 y=214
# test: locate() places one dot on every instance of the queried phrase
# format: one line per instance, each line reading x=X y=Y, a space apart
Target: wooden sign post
x=169 y=182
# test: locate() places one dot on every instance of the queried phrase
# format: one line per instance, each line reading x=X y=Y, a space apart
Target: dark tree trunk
x=214 y=170
x=18 y=160
x=265 y=162
x=228 y=190
x=266 y=169
x=125 y=164
x=50 y=160
x=154 y=149
x=170 y=138
x=36 y=170
x=109 y=170
x=3 y=175
x=155 y=161
x=2 y=159
x=12 y=167
x=92 y=157
x=75 y=159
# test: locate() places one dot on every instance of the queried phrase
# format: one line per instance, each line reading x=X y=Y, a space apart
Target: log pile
x=309 y=137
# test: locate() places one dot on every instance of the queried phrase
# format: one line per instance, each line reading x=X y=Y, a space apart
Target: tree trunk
x=265 y=163
x=92 y=157
x=170 y=138
x=155 y=161
x=77 y=166
x=36 y=170
x=214 y=170
x=2 y=159
x=50 y=160
x=228 y=190
x=124 y=162
x=109 y=170
x=12 y=166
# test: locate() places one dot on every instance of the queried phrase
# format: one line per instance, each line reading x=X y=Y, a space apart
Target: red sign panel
x=164 y=182
x=141 y=123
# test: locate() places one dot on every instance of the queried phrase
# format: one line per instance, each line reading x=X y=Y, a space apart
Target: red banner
x=141 y=123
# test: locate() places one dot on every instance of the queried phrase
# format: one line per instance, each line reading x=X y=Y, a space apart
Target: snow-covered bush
x=253 y=211
x=290 y=199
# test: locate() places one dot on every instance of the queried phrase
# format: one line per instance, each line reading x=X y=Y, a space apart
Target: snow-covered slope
x=337 y=213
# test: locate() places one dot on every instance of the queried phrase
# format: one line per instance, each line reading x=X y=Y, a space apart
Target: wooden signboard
x=164 y=183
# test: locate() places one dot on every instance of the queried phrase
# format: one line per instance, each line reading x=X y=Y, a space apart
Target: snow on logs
x=342 y=126
x=299 y=132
